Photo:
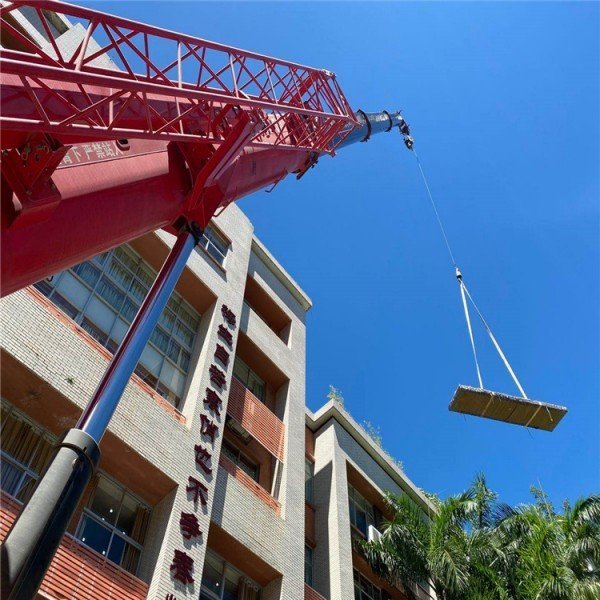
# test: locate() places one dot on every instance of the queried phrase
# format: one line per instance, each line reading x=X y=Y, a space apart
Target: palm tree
x=474 y=548
x=552 y=556
x=439 y=548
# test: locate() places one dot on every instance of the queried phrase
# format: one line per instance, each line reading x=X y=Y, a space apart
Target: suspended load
x=480 y=402
x=509 y=409
x=495 y=405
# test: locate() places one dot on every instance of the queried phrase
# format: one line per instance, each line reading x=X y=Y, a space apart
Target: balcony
x=250 y=484
x=262 y=301
x=77 y=571
x=254 y=417
x=273 y=344
x=310 y=594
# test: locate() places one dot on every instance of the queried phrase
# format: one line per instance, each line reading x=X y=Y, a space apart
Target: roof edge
x=284 y=277
x=333 y=410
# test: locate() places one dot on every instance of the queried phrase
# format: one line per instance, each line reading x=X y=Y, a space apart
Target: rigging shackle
x=404 y=130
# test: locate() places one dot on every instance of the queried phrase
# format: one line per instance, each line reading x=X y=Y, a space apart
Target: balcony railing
x=249 y=412
x=77 y=571
x=249 y=483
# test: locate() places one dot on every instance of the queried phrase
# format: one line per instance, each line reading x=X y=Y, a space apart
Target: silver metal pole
x=97 y=414
x=33 y=540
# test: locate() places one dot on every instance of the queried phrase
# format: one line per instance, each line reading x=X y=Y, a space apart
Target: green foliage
x=335 y=395
x=475 y=548
x=396 y=461
x=373 y=432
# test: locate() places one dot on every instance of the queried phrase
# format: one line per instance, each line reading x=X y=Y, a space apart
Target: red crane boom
x=201 y=124
x=114 y=129
x=166 y=86
x=117 y=128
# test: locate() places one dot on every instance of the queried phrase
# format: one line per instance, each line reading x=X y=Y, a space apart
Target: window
x=215 y=244
x=221 y=581
x=103 y=296
x=26 y=449
x=114 y=524
x=308 y=565
x=309 y=475
x=249 y=378
x=364 y=589
x=361 y=511
x=243 y=462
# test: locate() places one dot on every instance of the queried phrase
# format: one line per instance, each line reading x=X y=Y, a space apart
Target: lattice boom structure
x=128 y=79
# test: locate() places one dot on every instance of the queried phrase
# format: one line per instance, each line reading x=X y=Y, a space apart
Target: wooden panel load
x=509 y=409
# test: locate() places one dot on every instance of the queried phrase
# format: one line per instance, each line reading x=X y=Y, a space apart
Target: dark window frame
x=251 y=380
x=372 y=592
x=225 y=568
x=308 y=565
x=88 y=514
x=28 y=476
x=215 y=244
x=357 y=502
x=123 y=273
x=238 y=462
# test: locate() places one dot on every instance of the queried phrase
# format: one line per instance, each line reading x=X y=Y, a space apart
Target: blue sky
x=503 y=100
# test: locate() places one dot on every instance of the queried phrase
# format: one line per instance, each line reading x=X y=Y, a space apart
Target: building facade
x=215 y=480
x=349 y=474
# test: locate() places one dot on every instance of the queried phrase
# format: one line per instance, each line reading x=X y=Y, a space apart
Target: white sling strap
x=496 y=344
x=468 y=319
x=464 y=292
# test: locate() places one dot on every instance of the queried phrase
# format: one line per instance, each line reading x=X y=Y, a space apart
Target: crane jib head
x=370 y=124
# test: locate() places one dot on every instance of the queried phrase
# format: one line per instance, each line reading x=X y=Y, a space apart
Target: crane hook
x=405 y=131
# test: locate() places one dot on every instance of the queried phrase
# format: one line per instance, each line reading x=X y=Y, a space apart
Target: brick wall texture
x=39 y=336
x=269 y=523
x=256 y=418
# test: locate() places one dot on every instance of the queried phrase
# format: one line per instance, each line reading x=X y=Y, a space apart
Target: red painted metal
x=29 y=172
x=206 y=124
x=163 y=85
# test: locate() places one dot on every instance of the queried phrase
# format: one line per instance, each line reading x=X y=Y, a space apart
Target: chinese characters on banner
x=182 y=566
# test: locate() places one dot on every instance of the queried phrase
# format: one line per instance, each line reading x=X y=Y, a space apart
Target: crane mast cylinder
x=373 y=123
x=34 y=537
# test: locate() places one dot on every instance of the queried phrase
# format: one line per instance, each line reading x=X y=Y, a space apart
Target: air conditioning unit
x=373 y=534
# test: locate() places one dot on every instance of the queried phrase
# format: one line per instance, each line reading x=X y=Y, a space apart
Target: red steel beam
x=155 y=94
x=177 y=107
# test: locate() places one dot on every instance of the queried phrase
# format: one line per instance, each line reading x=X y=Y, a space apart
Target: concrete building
x=282 y=492
x=215 y=481
x=348 y=473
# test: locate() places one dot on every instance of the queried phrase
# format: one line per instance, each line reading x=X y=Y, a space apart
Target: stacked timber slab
x=509 y=409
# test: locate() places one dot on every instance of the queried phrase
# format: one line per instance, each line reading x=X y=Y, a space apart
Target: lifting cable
x=464 y=292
